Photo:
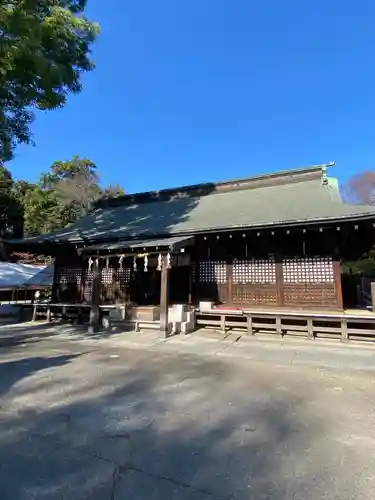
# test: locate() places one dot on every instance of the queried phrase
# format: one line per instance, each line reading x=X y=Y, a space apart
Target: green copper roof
x=299 y=196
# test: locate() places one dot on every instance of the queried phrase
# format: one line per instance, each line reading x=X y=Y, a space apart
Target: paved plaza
x=199 y=418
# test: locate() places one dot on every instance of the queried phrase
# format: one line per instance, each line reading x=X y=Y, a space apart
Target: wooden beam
x=164 y=296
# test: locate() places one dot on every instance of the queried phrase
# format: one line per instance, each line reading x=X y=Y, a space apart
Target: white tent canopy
x=44 y=278
x=13 y=275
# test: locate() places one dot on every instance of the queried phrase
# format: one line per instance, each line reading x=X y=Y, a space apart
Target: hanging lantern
x=145 y=263
x=120 y=261
x=168 y=261
x=135 y=263
x=90 y=263
x=159 y=262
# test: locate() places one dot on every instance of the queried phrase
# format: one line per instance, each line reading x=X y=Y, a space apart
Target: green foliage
x=112 y=191
x=63 y=195
x=44 y=48
x=41 y=211
x=66 y=170
x=11 y=209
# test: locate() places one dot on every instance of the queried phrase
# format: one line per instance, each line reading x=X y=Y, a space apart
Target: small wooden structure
x=18 y=284
x=272 y=242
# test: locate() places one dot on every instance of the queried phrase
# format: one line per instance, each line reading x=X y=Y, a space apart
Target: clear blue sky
x=205 y=90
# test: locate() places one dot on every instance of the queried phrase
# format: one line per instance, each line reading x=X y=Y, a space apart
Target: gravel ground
x=92 y=421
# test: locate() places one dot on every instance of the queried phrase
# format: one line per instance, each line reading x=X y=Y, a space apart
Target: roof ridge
x=281 y=173
x=202 y=189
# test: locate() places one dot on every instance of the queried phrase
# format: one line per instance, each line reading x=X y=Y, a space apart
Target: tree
x=20 y=190
x=45 y=47
x=66 y=170
x=112 y=191
x=42 y=212
x=63 y=195
x=11 y=210
x=76 y=184
x=361 y=188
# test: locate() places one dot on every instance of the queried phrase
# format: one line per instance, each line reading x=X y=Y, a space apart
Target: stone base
x=182 y=318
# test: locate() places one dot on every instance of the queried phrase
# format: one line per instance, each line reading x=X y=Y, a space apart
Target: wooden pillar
x=222 y=323
x=191 y=271
x=310 y=329
x=95 y=298
x=279 y=282
x=250 y=329
x=115 y=283
x=372 y=290
x=279 y=328
x=344 y=330
x=83 y=279
x=338 y=286
x=35 y=312
x=164 y=296
x=54 y=294
x=229 y=298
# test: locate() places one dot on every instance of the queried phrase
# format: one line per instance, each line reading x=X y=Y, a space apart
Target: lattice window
x=107 y=276
x=254 y=297
x=123 y=274
x=107 y=284
x=69 y=275
x=254 y=271
x=212 y=272
x=310 y=294
x=314 y=270
x=88 y=281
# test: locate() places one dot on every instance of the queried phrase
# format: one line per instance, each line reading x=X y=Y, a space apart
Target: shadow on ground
x=13 y=334
x=173 y=428
x=14 y=371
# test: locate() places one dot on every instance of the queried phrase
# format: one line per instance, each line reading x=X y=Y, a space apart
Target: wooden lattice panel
x=123 y=275
x=254 y=295
x=68 y=275
x=87 y=288
x=106 y=291
x=123 y=278
x=107 y=276
x=308 y=294
x=212 y=272
x=254 y=271
x=314 y=270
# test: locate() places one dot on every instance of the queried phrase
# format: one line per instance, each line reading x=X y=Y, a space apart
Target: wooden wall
x=73 y=281
x=292 y=282
x=280 y=269
x=291 y=267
